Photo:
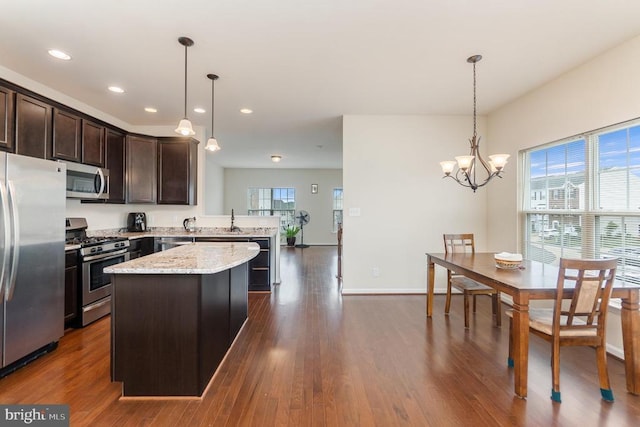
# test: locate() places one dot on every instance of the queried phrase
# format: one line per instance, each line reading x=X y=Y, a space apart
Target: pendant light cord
x=185 y=81
x=213 y=84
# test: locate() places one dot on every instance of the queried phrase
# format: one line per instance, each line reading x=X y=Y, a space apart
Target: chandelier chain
x=474 y=101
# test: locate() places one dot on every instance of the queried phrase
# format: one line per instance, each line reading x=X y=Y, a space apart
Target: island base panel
x=170 y=332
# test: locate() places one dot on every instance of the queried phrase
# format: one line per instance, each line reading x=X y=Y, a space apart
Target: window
x=337 y=208
x=582 y=199
x=273 y=201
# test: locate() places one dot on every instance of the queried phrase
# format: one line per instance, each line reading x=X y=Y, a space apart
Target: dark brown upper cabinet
x=33 y=127
x=93 y=136
x=115 y=162
x=67 y=132
x=177 y=171
x=7 y=101
x=141 y=158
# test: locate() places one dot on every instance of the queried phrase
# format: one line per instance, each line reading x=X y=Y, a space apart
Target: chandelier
x=469 y=166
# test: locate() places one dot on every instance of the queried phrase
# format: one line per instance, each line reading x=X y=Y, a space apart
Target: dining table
x=534 y=280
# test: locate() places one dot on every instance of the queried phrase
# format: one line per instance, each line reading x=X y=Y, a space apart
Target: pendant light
x=468 y=166
x=212 y=144
x=184 y=127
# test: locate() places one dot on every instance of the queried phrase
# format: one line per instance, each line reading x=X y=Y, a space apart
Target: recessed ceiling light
x=199 y=110
x=276 y=159
x=150 y=110
x=116 y=89
x=59 y=54
x=246 y=110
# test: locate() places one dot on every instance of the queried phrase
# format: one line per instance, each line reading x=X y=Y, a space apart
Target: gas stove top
x=93 y=241
x=76 y=234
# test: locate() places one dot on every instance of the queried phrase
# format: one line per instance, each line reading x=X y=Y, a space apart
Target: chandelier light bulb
x=499 y=160
x=448 y=166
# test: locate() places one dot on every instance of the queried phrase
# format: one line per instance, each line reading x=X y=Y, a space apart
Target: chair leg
x=603 y=374
x=497 y=309
x=466 y=310
x=447 y=304
x=555 y=370
x=474 y=303
x=510 y=359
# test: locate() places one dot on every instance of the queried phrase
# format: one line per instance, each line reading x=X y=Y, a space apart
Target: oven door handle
x=104 y=256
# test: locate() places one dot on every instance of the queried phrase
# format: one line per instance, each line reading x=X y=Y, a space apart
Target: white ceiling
x=302 y=64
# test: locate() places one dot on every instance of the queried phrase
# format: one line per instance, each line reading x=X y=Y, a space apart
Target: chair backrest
x=458 y=243
x=592 y=282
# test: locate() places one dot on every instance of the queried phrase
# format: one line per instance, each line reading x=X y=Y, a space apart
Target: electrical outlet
x=375 y=272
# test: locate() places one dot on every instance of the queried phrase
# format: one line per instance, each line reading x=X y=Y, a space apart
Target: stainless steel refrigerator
x=32 y=214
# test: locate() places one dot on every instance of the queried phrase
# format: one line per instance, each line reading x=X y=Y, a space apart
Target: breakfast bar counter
x=175 y=315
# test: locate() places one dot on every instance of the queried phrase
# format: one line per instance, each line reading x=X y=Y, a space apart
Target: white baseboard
x=377 y=291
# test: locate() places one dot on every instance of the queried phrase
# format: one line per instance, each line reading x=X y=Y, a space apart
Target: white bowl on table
x=508 y=261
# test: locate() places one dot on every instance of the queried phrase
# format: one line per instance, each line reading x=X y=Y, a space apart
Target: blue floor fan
x=303 y=219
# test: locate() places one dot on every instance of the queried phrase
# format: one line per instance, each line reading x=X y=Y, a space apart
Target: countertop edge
x=189 y=255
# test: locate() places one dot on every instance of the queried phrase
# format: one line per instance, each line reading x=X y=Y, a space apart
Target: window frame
x=593 y=217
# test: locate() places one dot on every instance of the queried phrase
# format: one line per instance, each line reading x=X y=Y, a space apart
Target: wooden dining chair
x=581 y=322
x=470 y=288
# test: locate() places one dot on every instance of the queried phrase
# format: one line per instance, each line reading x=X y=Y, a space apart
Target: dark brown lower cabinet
x=71 y=280
x=259 y=267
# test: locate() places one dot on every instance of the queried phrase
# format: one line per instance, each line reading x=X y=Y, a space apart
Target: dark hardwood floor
x=309 y=356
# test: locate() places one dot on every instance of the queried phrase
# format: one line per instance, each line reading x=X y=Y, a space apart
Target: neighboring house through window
x=582 y=199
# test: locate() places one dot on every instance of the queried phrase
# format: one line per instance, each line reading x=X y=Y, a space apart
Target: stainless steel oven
x=94 y=254
x=96 y=285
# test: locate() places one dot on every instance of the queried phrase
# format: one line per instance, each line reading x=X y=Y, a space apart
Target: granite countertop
x=181 y=232
x=192 y=258
x=249 y=232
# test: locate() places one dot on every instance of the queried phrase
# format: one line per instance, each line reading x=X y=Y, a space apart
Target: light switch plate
x=354 y=211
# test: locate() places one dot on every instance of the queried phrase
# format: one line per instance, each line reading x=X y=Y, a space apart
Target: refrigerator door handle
x=6 y=236
x=15 y=245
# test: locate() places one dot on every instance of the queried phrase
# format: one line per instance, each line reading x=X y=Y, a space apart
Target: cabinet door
x=7 y=100
x=177 y=171
x=92 y=144
x=66 y=136
x=33 y=127
x=71 y=305
x=141 y=169
x=115 y=163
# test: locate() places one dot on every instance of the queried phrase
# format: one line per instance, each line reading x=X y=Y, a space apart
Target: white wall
x=213 y=196
x=601 y=92
x=392 y=175
x=319 y=231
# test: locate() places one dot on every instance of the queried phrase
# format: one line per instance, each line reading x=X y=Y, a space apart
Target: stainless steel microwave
x=86 y=182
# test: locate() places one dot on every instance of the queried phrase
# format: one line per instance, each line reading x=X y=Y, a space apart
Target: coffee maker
x=137 y=221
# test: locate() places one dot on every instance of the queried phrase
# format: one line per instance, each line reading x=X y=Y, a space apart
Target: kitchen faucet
x=233 y=227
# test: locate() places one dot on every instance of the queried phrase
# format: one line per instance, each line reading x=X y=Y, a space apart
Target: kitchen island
x=175 y=315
